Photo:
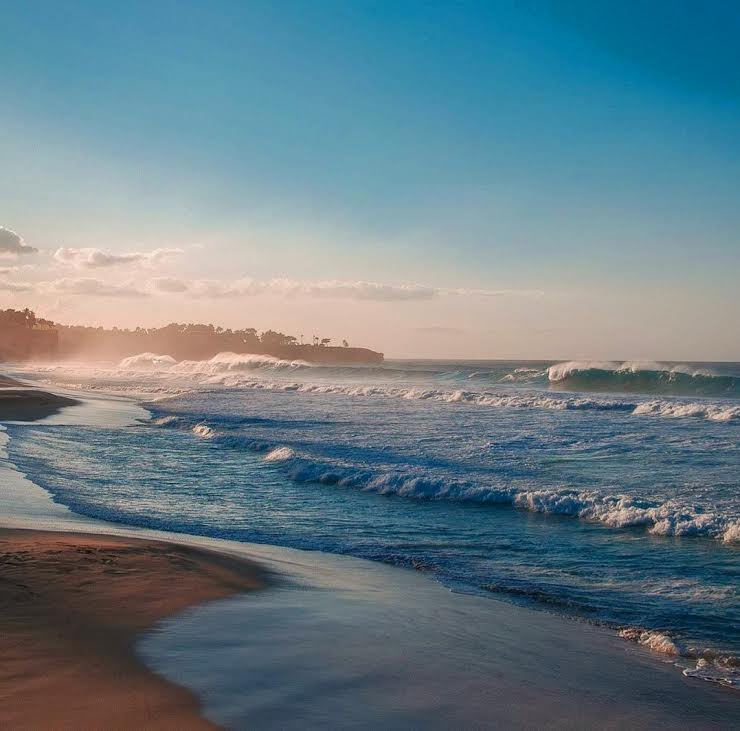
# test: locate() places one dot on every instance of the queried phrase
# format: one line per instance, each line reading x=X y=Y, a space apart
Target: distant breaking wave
x=163 y=374
x=647 y=378
x=221 y=363
x=146 y=362
x=706 y=410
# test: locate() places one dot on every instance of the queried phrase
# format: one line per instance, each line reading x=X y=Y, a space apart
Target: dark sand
x=28 y=404
x=71 y=606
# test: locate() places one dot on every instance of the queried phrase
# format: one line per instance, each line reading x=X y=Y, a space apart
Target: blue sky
x=538 y=179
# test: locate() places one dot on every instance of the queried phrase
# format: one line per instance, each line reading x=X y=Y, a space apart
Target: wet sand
x=21 y=404
x=71 y=606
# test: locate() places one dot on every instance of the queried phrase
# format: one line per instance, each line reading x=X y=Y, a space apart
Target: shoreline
x=19 y=402
x=377 y=589
x=73 y=606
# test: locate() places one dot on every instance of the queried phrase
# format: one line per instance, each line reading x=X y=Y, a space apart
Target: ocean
x=607 y=492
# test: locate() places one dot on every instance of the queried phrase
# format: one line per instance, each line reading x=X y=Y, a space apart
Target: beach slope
x=71 y=606
x=28 y=404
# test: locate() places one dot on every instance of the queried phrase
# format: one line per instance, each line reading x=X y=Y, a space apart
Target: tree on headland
x=272 y=339
x=20 y=318
x=178 y=339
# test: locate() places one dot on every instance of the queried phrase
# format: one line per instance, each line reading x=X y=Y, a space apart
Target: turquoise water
x=606 y=492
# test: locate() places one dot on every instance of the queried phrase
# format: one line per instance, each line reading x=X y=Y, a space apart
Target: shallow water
x=499 y=479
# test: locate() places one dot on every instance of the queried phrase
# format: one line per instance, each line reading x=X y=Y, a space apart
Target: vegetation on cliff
x=21 y=339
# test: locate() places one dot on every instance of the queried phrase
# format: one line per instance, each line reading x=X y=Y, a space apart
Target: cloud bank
x=92 y=258
x=13 y=245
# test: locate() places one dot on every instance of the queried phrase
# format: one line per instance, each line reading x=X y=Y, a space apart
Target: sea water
x=607 y=492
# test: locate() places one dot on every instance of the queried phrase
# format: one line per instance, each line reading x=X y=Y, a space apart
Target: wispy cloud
x=6 y=286
x=439 y=330
x=331 y=289
x=13 y=245
x=171 y=284
x=90 y=287
x=92 y=258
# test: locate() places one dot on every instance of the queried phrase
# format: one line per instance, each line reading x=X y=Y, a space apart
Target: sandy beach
x=72 y=605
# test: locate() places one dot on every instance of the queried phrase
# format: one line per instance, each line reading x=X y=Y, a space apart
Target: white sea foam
x=715 y=672
x=655 y=641
x=280 y=454
x=561 y=371
x=519 y=375
x=669 y=518
x=417 y=393
x=165 y=421
x=234 y=362
x=203 y=431
x=146 y=362
x=709 y=665
x=713 y=412
x=623 y=511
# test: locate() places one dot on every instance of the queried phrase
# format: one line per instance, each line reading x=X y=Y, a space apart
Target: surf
x=642 y=378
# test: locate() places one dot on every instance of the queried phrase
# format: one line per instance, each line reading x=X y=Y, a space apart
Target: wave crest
x=203 y=431
x=146 y=362
x=669 y=518
x=648 y=378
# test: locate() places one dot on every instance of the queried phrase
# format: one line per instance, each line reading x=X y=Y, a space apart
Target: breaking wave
x=219 y=364
x=713 y=412
x=524 y=375
x=416 y=393
x=615 y=511
x=280 y=454
x=647 y=378
x=146 y=362
x=554 y=402
x=668 y=518
x=203 y=431
x=508 y=387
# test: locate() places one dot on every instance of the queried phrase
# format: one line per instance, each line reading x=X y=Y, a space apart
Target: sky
x=429 y=179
